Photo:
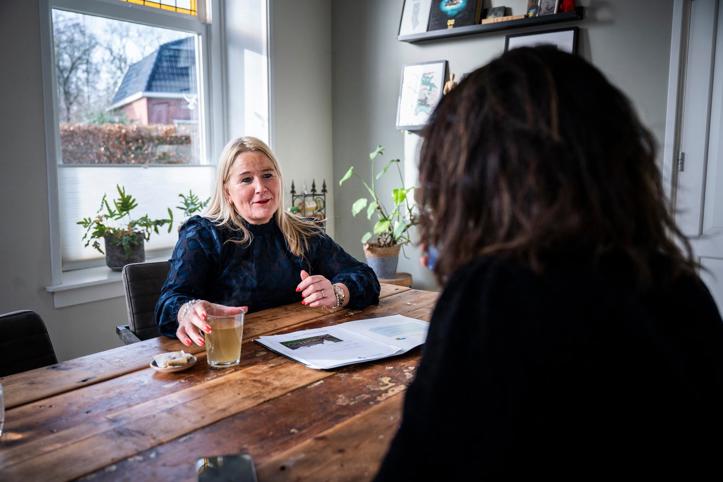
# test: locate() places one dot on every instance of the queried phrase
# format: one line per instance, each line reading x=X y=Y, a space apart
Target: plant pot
x=382 y=260
x=116 y=256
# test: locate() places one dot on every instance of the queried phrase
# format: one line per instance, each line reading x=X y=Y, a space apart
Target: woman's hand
x=192 y=319
x=317 y=291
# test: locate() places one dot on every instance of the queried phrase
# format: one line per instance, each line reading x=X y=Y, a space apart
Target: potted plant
x=124 y=237
x=391 y=227
x=190 y=204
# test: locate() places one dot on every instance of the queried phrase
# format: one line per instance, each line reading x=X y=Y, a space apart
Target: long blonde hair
x=295 y=229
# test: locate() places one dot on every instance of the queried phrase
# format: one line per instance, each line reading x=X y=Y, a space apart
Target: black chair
x=24 y=343
x=142 y=283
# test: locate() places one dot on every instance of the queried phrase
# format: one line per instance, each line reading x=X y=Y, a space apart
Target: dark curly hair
x=536 y=154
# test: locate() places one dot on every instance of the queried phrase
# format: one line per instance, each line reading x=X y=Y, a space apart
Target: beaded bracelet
x=186 y=307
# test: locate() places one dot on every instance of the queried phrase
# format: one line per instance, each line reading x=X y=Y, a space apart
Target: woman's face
x=253 y=187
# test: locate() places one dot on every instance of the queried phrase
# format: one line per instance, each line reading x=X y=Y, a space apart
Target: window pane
x=155 y=189
x=127 y=93
x=128 y=98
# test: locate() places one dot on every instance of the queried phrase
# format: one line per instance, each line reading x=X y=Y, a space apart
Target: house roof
x=169 y=69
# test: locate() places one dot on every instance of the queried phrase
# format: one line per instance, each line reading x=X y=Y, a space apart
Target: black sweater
x=574 y=373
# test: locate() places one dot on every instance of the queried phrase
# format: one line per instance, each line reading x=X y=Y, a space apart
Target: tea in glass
x=223 y=344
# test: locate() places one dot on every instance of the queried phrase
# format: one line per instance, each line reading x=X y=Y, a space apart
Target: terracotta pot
x=116 y=257
x=382 y=260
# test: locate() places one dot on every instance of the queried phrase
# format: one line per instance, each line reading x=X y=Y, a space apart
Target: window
x=141 y=94
x=130 y=105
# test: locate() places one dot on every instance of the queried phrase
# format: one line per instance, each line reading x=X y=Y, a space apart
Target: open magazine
x=352 y=342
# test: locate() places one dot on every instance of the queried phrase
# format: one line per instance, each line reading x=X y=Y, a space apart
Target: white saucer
x=174 y=369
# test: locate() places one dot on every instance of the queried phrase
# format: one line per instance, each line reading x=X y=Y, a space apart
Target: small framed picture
x=420 y=91
x=548 y=7
x=564 y=39
x=415 y=17
x=533 y=6
x=454 y=13
x=496 y=12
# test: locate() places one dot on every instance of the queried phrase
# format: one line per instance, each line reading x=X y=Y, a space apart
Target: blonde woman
x=247 y=253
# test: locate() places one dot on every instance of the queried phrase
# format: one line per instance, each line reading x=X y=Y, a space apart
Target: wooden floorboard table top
x=108 y=416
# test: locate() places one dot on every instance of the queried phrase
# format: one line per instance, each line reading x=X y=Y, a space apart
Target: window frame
x=207 y=24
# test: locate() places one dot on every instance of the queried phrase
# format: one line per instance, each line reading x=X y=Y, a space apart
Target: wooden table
x=400 y=279
x=108 y=416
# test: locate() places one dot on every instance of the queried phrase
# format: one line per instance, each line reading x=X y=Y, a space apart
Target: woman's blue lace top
x=206 y=265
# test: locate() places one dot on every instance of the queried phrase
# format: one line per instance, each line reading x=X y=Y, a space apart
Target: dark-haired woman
x=573 y=338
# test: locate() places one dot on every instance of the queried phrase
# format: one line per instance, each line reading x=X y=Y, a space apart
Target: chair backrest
x=143 y=283
x=24 y=343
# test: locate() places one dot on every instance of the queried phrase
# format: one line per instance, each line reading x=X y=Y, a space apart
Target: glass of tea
x=223 y=344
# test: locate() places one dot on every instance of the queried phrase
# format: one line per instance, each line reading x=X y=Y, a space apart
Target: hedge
x=126 y=144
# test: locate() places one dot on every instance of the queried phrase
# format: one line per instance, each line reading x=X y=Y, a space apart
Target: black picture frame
x=468 y=14
x=415 y=17
x=420 y=89
x=564 y=39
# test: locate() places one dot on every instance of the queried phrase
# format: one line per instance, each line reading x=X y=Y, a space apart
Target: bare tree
x=117 y=46
x=76 y=72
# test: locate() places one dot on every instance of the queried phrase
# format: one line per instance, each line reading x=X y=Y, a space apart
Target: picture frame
x=532 y=7
x=564 y=39
x=496 y=12
x=446 y=14
x=415 y=17
x=548 y=7
x=419 y=92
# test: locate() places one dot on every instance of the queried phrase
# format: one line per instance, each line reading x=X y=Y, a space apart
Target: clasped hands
x=316 y=290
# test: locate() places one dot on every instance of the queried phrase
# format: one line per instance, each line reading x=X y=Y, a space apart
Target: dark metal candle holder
x=310 y=205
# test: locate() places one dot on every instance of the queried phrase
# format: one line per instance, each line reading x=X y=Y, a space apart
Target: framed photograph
x=496 y=12
x=454 y=13
x=564 y=39
x=533 y=7
x=548 y=7
x=415 y=17
x=420 y=91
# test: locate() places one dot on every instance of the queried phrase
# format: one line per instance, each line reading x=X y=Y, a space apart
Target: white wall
x=301 y=131
x=629 y=41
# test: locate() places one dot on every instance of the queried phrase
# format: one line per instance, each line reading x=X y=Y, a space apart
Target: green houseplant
x=391 y=225
x=123 y=235
x=191 y=204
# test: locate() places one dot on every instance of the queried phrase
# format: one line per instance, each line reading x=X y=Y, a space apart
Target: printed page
x=400 y=331
x=328 y=347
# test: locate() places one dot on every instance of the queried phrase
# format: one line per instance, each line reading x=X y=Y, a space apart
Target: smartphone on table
x=226 y=468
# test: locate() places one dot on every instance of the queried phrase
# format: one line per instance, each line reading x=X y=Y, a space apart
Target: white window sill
x=88 y=285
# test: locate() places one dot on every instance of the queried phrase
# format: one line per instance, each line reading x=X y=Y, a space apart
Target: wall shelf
x=493 y=27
